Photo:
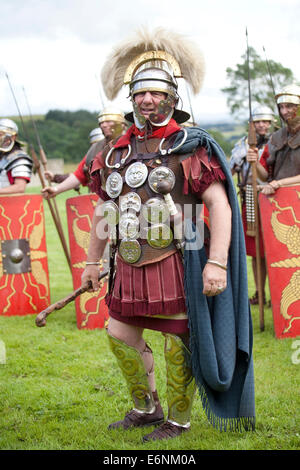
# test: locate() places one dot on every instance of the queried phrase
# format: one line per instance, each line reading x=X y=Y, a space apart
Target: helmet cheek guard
x=8 y=130
x=6 y=142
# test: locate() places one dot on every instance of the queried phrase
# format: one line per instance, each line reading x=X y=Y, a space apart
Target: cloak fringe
x=240 y=424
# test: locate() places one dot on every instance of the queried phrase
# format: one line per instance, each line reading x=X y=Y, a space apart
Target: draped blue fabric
x=221 y=326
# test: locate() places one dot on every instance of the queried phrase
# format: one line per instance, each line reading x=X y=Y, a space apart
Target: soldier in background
x=111 y=123
x=263 y=119
x=280 y=162
x=15 y=164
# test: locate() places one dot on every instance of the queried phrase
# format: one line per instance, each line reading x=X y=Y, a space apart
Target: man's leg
x=136 y=362
x=180 y=389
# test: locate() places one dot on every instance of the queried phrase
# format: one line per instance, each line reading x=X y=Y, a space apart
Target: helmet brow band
x=147 y=57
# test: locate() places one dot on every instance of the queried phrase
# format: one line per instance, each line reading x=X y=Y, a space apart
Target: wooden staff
x=44 y=163
x=256 y=227
x=53 y=213
x=252 y=144
x=40 y=320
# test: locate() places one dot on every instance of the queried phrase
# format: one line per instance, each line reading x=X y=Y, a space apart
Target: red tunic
x=11 y=179
x=264 y=156
x=81 y=174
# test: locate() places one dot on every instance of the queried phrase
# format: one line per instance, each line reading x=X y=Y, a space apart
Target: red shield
x=24 y=276
x=280 y=219
x=91 y=310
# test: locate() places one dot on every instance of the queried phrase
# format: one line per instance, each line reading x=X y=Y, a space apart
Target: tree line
x=63 y=134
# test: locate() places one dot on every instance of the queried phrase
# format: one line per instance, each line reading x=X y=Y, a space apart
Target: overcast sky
x=55 y=49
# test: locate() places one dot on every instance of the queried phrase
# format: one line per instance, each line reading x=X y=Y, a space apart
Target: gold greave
x=133 y=369
x=180 y=381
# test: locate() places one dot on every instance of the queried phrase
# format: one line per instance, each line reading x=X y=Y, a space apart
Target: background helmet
x=289 y=94
x=263 y=113
x=8 y=126
x=8 y=129
x=111 y=114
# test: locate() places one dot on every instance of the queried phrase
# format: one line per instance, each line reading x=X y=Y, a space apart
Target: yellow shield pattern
x=280 y=219
x=91 y=310
x=24 y=276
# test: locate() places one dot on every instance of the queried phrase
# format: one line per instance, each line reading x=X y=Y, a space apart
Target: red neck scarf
x=157 y=132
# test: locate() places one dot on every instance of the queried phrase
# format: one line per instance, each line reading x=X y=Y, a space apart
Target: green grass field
x=60 y=386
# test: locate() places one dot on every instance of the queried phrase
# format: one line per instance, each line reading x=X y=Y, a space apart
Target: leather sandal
x=135 y=419
x=167 y=430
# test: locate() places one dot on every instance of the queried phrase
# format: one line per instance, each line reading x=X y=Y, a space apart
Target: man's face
x=288 y=111
x=148 y=102
x=262 y=127
x=6 y=140
x=107 y=128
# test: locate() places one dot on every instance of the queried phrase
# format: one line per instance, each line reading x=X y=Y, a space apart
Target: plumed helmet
x=8 y=126
x=263 y=113
x=152 y=61
x=111 y=114
x=95 y=135
x=289 y=94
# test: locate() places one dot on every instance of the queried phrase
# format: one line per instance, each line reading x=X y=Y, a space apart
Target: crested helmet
x=152 y=61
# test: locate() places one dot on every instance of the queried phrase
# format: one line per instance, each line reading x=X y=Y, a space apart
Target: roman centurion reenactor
x=263 y=119
x=111 y=124
x=153 y=180
x=15 y=164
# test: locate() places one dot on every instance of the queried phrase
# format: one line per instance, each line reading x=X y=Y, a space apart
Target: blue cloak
x=221 y=334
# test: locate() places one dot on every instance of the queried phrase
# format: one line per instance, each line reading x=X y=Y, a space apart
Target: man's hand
x=271 y=187
x=49 y=192
x=91 y=274
x=214 y=280
x=252 y=155
x=49 y=175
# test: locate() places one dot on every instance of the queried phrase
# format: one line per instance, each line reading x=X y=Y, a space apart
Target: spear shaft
x=190 y=103
x=56 y=216
x=42 y=153
x=271 y=79
x=19 y=112
x=269 y=71
x=252 y=144
x=99 y=89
